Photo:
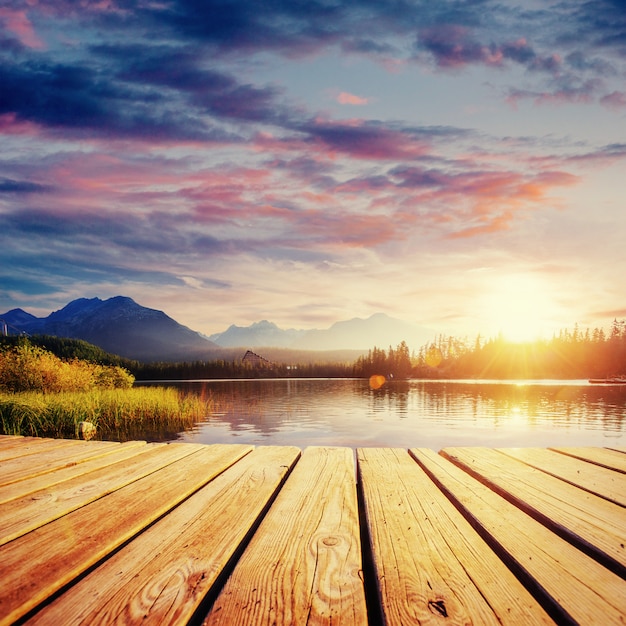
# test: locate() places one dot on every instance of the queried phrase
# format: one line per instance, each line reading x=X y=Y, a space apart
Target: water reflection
x=416 y=413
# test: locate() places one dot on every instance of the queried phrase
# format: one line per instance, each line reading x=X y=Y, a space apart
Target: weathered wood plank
x=34 y=445
x=600 y=456
x=573 y=585
x=10 y=441
x=163 y=575
x=303 y=565
x=21 y=515
x=431 y=565
x=25 y=468
x=588 y=521
x=603 y=482
x=43 y=561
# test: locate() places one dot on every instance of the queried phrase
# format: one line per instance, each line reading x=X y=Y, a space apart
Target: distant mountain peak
x=120 y=326
x=357 y=333
x=263 y=324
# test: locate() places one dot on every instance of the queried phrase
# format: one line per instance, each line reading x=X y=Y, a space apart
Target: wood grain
x=589 y=476
x=165 y=573
x=43 y=561
x=582 y=518
x=303 y=566
x=34 y=445
x=570 y=582
x=21 y=476
x=604 y=457
x=431 y=565
x=21 y=515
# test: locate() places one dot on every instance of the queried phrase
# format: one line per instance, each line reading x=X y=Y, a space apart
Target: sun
x=520 y=307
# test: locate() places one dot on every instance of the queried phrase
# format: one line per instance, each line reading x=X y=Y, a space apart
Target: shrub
x=25 y=367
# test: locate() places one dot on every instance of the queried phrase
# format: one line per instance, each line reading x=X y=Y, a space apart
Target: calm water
x=432 y=414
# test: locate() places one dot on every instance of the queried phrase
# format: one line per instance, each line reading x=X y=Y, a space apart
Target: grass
x=148 y=413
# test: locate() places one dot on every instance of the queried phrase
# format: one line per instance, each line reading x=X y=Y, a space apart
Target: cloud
x=17 y=23
x=75 y=98
x=349 y=98
x=566 y=91
x=363 y=139
x=615 y=100
x=20 y=186
x=169 y=143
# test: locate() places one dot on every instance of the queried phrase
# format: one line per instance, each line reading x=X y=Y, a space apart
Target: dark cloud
x=152 y=69
x=206 y=90
x=78 y=98
x=293 y=26
x=53 y=94
x=8 y=185
x=601 y=24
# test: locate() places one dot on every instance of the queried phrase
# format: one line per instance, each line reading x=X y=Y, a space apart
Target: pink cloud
x=349 y=98
x=10 y=125
x=488 y=226
x=18 y=23
x=615 y=100
x=495 y=200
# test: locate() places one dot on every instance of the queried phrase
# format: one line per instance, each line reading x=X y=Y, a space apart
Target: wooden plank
x=431 y=565
x=10 y=441
x=21 y=515
x=303 y=565
x=617 y=448
x=26 y=467
x=164 y=574
x=45 y=560
x=600 y=456
x=593 y=478
x=574 y=587
x=34 y=445
x=590 y=522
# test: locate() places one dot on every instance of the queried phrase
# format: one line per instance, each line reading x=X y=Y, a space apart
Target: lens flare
x=377 y=381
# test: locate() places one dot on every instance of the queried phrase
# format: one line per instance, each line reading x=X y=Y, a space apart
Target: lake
x=414 y=413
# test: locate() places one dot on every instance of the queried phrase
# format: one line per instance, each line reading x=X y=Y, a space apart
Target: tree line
x=570 y=354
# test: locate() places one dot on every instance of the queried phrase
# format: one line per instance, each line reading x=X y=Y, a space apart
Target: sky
x=457 y=164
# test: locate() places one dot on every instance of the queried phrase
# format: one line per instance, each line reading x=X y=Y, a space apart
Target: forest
x=572 y=354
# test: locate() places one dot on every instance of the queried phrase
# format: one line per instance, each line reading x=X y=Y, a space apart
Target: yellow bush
x=30 y=368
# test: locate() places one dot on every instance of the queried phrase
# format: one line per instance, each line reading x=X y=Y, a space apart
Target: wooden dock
x=136 y=533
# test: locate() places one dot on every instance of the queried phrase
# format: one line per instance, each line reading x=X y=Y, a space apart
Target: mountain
x=261 y=333
x=19 y=320
x=379 y=330
x=120 y=326
x=356 y=334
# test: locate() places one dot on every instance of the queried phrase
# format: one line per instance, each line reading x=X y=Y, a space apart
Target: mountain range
x=121 y=326
x=355 y=334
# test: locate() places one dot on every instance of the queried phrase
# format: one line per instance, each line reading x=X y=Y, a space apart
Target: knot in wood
x=330 y=541
x=438 y=607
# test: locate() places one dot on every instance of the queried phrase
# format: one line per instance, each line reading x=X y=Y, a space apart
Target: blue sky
x=456 y=164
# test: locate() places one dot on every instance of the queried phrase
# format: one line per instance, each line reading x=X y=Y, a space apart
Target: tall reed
x=150 y=413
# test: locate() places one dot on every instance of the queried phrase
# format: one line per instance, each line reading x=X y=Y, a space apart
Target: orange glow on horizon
x=520 y=306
